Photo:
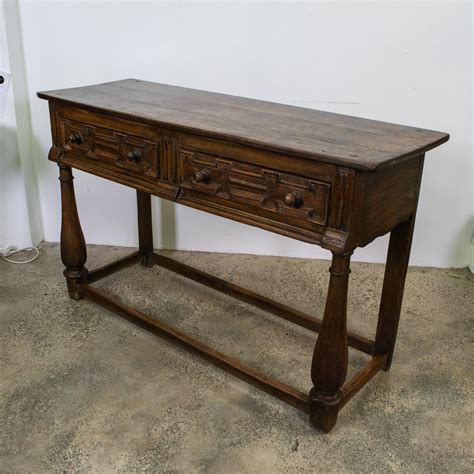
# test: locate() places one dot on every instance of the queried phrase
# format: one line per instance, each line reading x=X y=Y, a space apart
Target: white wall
x=471 y=266
x=20 y=217
x=408 y=63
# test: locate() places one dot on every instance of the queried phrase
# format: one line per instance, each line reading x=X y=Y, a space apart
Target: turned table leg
x=73 y=246
x=393 y=286
x=145 y=231
x=329 y=366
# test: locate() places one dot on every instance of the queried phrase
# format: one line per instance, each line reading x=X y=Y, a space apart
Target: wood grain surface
x=327 y=137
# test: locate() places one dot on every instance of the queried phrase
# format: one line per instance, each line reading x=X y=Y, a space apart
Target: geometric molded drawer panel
x=283 y=194
x=126 y=151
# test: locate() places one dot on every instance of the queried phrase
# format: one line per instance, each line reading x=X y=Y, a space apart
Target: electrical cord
x=27 y=249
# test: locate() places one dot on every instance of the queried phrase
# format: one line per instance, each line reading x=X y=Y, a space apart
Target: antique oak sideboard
x=327 y=179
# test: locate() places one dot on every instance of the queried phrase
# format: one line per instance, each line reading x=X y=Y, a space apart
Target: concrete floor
x=82 y=389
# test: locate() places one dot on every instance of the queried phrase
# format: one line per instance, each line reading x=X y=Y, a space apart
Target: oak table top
x=322 y=136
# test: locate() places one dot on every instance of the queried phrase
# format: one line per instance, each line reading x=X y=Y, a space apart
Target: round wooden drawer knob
x=75 y=138
x=293 y=199
x=134 y=155
x=202 y=176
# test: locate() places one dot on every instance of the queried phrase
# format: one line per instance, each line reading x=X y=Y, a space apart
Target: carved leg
x=393 y=286
x=145 y=231
x=73 y=246
x=329 y=367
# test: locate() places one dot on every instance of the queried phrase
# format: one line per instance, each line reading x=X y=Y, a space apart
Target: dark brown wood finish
x=115 y=266
x=352 y=386
x=145 y=230
x=329 y=366
x=323 y=178
x=396 y=268
x=304 y=320
x=280 y=390
x=73 y=245
x=392 y=290
x=321 y=136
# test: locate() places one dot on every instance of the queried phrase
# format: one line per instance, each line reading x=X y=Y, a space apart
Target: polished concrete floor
x=82 y=389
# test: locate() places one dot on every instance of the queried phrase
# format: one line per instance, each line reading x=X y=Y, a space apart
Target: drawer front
x=281 y=196
x=129 y=152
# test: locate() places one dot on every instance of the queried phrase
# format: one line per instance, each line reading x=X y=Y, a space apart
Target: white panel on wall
x=20 y=217
x=408 y=63
x=14 y=224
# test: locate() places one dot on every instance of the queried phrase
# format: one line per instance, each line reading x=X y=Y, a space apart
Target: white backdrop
x=408 y=63
x=20 y=216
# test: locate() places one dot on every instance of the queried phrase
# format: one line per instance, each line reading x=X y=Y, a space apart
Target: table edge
x=319 y=157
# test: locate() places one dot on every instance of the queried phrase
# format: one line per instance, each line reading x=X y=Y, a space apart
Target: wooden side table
x=327 y=179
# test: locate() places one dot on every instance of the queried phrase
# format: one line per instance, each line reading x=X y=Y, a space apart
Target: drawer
x=126 y=151
x=275 y=194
